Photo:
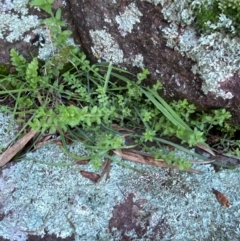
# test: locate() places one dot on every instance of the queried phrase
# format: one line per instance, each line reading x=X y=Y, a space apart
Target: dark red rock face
x=146 y=38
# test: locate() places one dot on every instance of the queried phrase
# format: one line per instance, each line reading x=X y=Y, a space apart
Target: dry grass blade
x=94 y=177
x=206 y=148
x=7 y=156
x=106 y=168
x=144 y=158
x=119 y=128
x=44 y=140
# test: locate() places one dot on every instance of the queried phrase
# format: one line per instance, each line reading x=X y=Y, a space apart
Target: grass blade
x=107 y=77
x=165 y=111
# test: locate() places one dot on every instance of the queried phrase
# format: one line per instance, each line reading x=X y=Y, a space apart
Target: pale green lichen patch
x=105 y=47
x=7 y=131
x=15 y=20
x=36 y=197
x=135 y=60
x=17 y=24
x=41 y=193
x=128 y=18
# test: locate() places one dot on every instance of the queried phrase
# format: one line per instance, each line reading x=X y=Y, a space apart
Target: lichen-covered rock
x=161 y=36
x=19 y=26
x=44 y=193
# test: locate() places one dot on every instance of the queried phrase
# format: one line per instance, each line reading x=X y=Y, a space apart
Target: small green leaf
x=58 y=14
x=66 y=33
x=94 y=110
x=19 y=62
x=42 y=4
x=48 y=21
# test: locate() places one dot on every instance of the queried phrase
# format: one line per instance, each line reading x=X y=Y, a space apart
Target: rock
x=129 y=33
x=22 y=25
x=42 y=196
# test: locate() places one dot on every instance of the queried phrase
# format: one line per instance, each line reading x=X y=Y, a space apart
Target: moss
x=4 y=69
x=229 y=5
x=231 y=8
x=209 y=14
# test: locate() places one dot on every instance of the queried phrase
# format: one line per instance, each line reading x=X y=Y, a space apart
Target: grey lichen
x=105 y=47
x=223 y=23
x=178 y=11
x=135 y=60
x=127 y=19
x=18 y=6
x=15 y=20
x=7 y=130
x=216 y=54
x=17 y=24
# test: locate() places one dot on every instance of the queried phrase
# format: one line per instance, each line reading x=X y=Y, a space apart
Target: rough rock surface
x=42 y=199
x=165 y=64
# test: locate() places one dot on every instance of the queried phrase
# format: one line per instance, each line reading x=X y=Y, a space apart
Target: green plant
x=230 y=8
x=209 y=13
x=54 y=23
x=97 y=100
x=68 y=94
x=204 y=121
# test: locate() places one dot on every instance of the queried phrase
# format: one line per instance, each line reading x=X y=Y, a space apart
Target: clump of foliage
x=69 y=95
x=230 y=6
x=209 y=13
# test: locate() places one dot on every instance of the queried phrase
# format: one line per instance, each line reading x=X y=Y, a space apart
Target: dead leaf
x=91 y=176
x=221 y=198
x=43 y=140
x=119 y=128
x=145 y=158
x=82 y=162
x=7 y=156
x=58 y=142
